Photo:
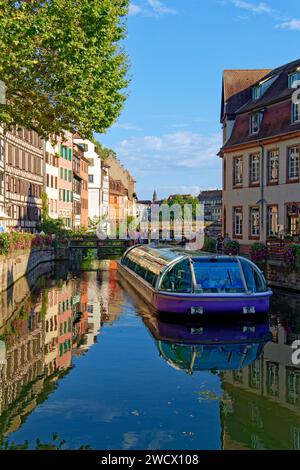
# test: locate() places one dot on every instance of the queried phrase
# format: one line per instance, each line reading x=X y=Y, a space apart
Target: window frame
x=290 y=178
x=234 y=211
x=251 y=181
x=235 y=183
x=254 y=236
x=273 y=182
x=251 y=122
x=268 y=225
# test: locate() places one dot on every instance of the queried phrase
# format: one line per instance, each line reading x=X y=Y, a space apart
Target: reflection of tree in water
x=56 y=443
x=285 y=309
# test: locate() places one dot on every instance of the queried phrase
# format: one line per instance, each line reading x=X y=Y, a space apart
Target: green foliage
x=232 y=248
x=45 y=207
x=184 y=202
x=52 y=226
x=44 y=306
x=56 y=443
x=62 y=64
x=13 y=241
x=259 y=252
x=209 y=245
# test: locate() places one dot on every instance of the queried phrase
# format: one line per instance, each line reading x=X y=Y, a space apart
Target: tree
x=63 y=64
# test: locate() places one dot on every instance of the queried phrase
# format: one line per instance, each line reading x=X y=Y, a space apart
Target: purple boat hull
x=168 y=303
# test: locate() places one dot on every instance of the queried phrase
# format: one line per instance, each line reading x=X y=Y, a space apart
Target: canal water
x=84 y=363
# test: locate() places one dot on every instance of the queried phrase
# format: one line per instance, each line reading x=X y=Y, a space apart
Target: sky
x=169 y=133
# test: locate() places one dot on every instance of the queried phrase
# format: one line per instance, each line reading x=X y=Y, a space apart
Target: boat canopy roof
x=180 y=272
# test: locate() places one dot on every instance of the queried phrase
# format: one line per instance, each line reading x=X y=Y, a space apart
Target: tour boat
x=182 y=283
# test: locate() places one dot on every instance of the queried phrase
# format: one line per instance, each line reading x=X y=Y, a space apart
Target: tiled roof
x=210 y=193
x=237 y=86
x=276 y=119
x=236 y=81
x=278 y=91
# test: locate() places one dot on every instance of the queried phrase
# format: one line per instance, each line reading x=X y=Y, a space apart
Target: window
x=255 y=122
x=293 y=219
x=256 y=92
x=254 y=222
x=218 y=277
x=178 y=279
x=238 y=222
x=254 y=169
x=273 y=166
x=293 y=163
x=294 y=77
x=91 y=178
x=272 y=221
x=296 y=112
x=259 y=90
x=237 y=171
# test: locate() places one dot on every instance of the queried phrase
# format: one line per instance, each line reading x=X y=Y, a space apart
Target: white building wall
x=95 y=177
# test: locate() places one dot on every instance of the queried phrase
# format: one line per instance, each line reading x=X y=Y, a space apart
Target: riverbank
x=14 y=267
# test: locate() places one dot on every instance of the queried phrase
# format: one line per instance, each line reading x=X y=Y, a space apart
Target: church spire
x=154 y=199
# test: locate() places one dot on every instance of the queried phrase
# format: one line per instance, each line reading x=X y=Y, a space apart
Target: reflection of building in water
x=80 y=317
x=51 y=330
x=251 y=421
x=65 y=317
x=114 y=294
x=24 y=365
x=49 y=327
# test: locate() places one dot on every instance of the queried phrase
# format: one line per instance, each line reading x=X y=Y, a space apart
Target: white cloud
x=159 y=8
x=134 y=9
x=292 y=25
x=258 y=8
x=127 y=126
x=151 y=8
x=180 y=149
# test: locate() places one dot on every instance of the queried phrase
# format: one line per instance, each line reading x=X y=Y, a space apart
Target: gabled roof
x=276 y=119
x=237 y=86
x=278 y=91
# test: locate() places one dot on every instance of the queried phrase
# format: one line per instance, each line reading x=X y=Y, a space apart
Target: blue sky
x=169 y=132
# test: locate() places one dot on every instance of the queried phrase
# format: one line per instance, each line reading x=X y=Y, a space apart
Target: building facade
x=52 y=179
x=118 y=172
x=65 y=212
x=84 y=174
x=24 y=178
x=261 y=146
x=118 y=201
x=212 y=205
x=77 y=185
x=94 y=177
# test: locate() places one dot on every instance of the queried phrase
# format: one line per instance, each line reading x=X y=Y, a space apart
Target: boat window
x=141 y=271
x=254 y=279
x=218 y=276
x=178 y=279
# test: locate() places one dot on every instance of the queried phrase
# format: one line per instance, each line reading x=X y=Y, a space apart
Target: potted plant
x=232 y=247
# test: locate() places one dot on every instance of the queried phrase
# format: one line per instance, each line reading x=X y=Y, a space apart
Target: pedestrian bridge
x=107 y=246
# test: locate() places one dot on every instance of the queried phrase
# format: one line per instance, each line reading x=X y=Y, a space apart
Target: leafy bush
x=232 y=247
x=259 y=252
x=291 y=256
x=209 y=245
x=10 y=242
x=52 y=226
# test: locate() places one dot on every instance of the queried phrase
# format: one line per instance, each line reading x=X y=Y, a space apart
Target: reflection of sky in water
x=122 y=392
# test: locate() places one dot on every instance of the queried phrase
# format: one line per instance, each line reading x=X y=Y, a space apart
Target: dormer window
x=296 y=112
x=259 y=90
x=255 y=122
x=256 y=92
x=293 y=78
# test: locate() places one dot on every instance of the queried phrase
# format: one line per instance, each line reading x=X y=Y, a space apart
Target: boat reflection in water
x=205 y=346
